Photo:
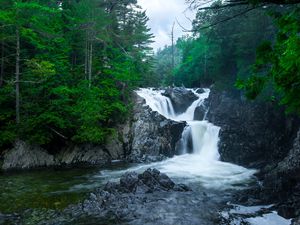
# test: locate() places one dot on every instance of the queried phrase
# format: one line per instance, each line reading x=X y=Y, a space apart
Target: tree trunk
x=90 y=64
x=2 y=64
x=17 y=76
x=173 y=52
x=86 y=58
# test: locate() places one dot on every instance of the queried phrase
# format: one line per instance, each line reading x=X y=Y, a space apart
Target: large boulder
x=181 y=98
x=25 y=156
x=153 y=136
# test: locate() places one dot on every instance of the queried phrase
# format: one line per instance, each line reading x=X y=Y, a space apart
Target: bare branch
x=59 y=134
x=229 y=18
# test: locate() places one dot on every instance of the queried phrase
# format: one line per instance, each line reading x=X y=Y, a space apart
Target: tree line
x=248 y=45
x=68 y=66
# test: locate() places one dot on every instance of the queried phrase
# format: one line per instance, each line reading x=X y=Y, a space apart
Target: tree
x=276 y=72
x=67 y=68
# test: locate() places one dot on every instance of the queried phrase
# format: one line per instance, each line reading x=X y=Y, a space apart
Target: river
x=214 y=182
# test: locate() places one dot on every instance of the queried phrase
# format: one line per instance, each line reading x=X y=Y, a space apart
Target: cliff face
x=146 y=136
x=253 y=134
x=262 y=136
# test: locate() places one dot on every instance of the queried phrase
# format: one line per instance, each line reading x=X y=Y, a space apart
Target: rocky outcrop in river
x=152 y=135
x=180 y=97
x=137 y=199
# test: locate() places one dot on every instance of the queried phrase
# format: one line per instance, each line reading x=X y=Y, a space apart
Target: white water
x=203 y=165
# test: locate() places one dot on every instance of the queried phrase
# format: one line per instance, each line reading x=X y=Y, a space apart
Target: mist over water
x=202 y=165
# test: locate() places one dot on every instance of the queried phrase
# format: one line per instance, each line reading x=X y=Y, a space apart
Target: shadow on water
x=48 y=188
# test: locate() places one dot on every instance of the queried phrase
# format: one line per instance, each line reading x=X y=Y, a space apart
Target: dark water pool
x=48 y=188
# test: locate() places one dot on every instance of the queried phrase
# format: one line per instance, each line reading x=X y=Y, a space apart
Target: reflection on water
x=50 y=188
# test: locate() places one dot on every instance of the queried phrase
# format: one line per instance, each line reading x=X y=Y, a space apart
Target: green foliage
x=79 y=62
x=224 y=51
x=163 y=68
x=279 y=63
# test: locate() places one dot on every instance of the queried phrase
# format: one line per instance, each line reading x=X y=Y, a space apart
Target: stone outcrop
x=253 y=134
x=282 y=183
x=123 y=201
x=181 y=98
x=83 y=154
x=262 y=136
x=153 y=136
x=25 y=156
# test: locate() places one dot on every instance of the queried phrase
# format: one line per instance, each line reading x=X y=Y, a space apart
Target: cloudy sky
x=162 y=14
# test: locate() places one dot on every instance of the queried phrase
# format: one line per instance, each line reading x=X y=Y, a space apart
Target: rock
x=181 y=187
x=200 y=91
x=84 y=154
x=129 y=181
x=200 y=112
x=260 y=135
x=115 y=147
x=153 y=137
x=282 y=183
x=25 y=156
x=253 y=134
x=181 y=98
x=122 y=202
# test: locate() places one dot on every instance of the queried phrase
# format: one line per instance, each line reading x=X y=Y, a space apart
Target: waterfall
x=199 y=138
x=204 y=135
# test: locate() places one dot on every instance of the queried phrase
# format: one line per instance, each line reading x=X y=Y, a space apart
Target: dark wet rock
x=282 y=183
x=200 y=112
x=253 y=134
x=200 y=91
x=181 y=98
x=181 y=187
x=296 y=221
x=127 y=201
x=153 y=137
x=260 y=135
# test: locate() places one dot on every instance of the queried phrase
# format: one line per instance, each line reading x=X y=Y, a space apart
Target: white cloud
x=162 y=15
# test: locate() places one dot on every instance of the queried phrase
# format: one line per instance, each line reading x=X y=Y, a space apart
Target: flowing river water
x=198 y=166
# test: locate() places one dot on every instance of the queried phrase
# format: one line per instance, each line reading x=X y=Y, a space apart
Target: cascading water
x=199 y=138
x=204 y=135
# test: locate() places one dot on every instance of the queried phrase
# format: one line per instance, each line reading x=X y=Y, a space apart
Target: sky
x=162 y=14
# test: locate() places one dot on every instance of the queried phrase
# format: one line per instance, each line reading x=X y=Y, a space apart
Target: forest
x=251 y=47
x=67 y=68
